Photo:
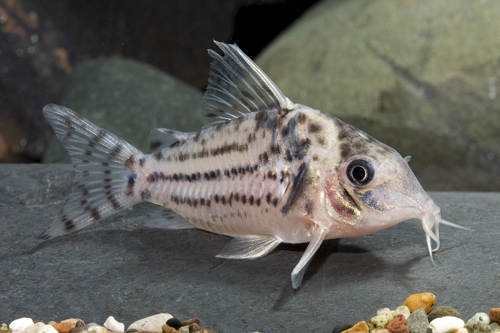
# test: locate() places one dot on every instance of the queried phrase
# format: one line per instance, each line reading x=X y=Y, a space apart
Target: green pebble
x=479 y=323
x=443 y=311
x=418 y=321
x=382 y=320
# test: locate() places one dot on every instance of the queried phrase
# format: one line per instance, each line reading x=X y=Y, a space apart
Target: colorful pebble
x=359 y=327
x=382 y=320
x=152 y=322
x=479 y=323
x=168 y=329
x=175 y=323
x=20 y=324
x=113 y=325
x=62 y=327
x=443 y=311
x=418 y=322
x=382 y=311
x=190 y=321
x=424 y=301
x=495 y=314
x=445 y=324
x=494 y=327
x=398 y=325
x=404 y=310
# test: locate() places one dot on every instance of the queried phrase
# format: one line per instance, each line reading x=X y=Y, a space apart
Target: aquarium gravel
x=416 y=315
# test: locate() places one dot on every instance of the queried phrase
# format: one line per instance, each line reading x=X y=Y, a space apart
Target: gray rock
x=118 y=267
x=418 y=322
x=129 y=99
x=420 y=76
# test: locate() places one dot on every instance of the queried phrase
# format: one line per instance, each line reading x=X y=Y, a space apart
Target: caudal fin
x=104 y=178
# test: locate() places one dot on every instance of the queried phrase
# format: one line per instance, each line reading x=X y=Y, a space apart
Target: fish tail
x=104 y=171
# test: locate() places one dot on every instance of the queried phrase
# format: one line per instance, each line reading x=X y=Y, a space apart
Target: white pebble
x=445 y=324
x=404 y=310
x=462 y=330
x=382 y=311
x=113 y=325
x=20 y=324
x=47 y=329
x=494 y=327
x=34 y=328
x=150 y=323
x=40 y=328
x=479 y=317
x=96 y=328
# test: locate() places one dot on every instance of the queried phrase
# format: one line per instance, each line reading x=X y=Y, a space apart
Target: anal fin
x=249 y=247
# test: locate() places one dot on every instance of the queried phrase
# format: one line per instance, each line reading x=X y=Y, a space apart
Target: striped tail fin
x=104 y=178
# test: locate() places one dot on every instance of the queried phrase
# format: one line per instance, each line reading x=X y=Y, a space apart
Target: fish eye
x=360 y=172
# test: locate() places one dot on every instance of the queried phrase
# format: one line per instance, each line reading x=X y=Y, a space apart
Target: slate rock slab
x=421 y=76
x=120 y=267
x=129 y=99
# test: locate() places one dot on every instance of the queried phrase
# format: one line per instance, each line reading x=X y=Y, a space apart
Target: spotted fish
x=266 y=171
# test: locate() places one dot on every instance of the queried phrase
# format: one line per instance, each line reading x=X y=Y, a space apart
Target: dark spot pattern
x=145 y=194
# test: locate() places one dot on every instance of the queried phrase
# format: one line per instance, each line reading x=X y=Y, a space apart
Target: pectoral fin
x=318 y=235
x=249 y=247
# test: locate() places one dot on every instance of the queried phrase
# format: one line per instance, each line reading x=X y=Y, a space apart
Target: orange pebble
x=359 y=327
x=424 y=301
x=62 y=327
x=495 y=315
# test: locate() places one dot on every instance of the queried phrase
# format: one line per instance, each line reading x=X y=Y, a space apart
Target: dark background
x=41 y=41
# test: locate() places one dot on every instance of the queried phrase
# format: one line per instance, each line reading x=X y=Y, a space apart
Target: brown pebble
x=362 y=326
x=424 y=301
x=194 y=328
x=495 y=315
x=63 y=327
x=75 y=330
x=74 y=322
x=398 y=325
x=167 y=329
x=443 y=311
x=190 y=321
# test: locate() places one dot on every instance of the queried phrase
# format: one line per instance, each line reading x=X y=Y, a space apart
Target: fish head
x=372 y=188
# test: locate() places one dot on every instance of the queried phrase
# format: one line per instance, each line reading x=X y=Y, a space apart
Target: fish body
x=268 y=171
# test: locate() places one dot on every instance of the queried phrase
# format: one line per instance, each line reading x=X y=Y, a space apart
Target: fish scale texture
x=119 y=267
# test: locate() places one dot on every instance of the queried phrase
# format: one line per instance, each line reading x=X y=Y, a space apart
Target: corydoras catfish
x=266 y=171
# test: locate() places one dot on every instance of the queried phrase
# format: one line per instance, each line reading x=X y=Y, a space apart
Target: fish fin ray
x=249 y=247
x=161 y=138
x=318 y=235
x=238 y=86
x=103 y=180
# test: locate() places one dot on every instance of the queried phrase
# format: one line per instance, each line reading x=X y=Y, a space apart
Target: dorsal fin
x=161 y=138
x=237 y=86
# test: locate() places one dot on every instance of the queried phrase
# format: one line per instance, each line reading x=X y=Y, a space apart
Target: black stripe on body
x=206 y=176
x=299 y=186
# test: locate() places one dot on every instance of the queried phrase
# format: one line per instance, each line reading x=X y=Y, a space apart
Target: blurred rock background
x=42 y=41
x=420 y=75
